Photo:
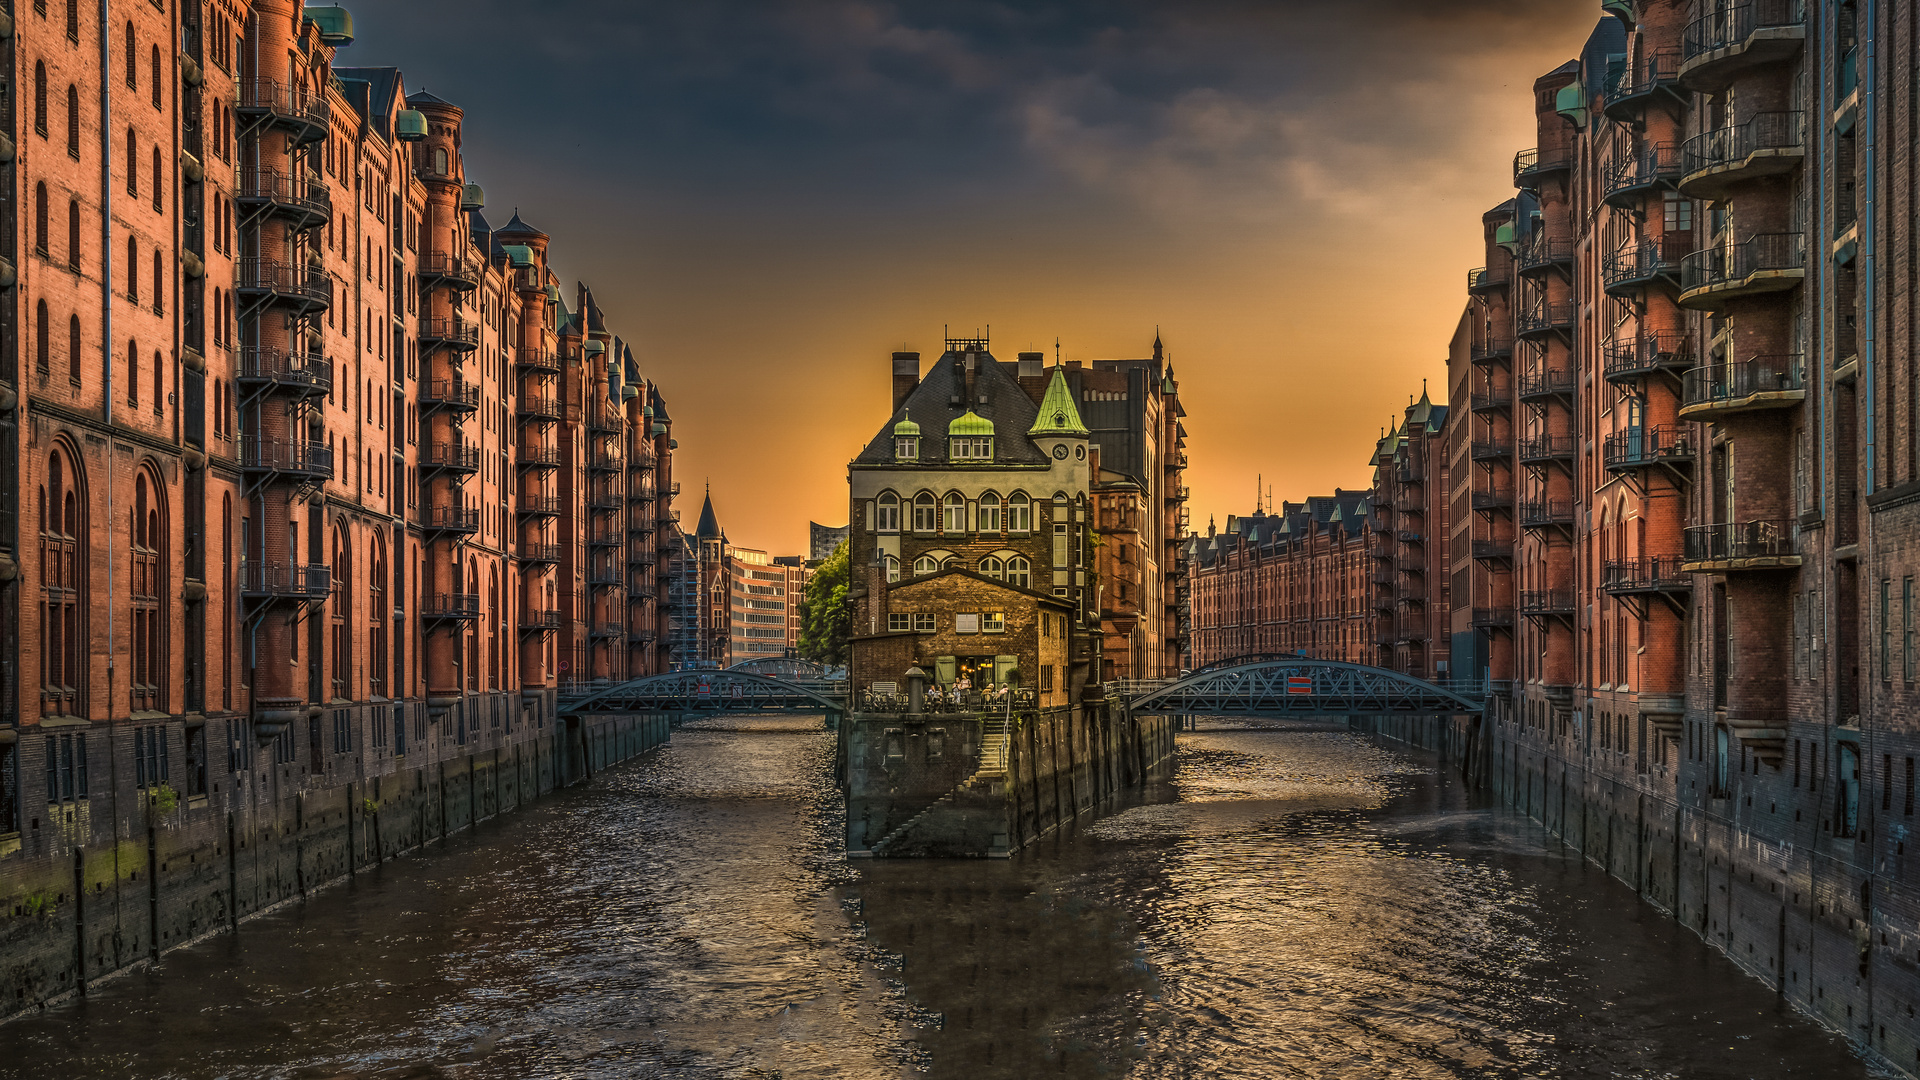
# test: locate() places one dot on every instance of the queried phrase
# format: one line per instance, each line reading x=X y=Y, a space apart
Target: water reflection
x=1295 y=903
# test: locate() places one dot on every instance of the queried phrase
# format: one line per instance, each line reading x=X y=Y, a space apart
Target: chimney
x=1032 y=365
x=906 y=376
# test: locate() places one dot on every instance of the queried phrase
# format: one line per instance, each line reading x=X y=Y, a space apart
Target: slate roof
x=931 y=406
x=516 y=225
x=421 y=97
x=709 y=527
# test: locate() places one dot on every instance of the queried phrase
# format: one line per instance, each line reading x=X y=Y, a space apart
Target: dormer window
x=971 y=448
x=970 y=438
x=906 y=447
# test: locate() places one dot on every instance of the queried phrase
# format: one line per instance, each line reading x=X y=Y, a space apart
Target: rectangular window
x=898 y=620
x=924 y=621
x=1886 y=629
x=196 y=761
x=1796 y=763
x=1906 y=629
x=1886 y=781
x=1059 y=546
x=993 y=622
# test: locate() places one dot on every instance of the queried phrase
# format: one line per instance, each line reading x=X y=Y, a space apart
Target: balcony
x=1648 y=575
x=1177 y=495
x=1547 y=514
x=1492 y=399
x=301 y=202
x=1547 y=603
x=1384 y=602
x=303 y=114
x=294 y=287
x=438 y=268
x=1769 y=144
x=644 y=635
x=1653 y=351
x=604 y=630
x=640 y=495
x=539 y=506
x=1411 y=598
x=1490 y=502
x=605 y=502
x=642 y=558
x=450 y=607
x=302 y=374
x=455 y=394
x=537 y=457
x=451 y=519
x=603 y=461
x=1495 y=618
x=1726 y=41
x=537 y=361
x=640 y=525
x=1635 y=268
x=1530 y=167
x=537 y=554
x=449 y=333
x=450 y=457
x=605 y=537
x=1485 y=280
x=605 y=420
x=1641 y=81
x=1764 y=382
x=1546 y=449
x=537 y=409
x=1490 y=352
x=1740 y=545
x=1650 y=170
x=606 y=577
x=297 y=460
x=641 y=459
x=1768 y=263
x=1648 y=447
x=1410 y=537
x=1491 y=450
x=537 y=621
x=640 y=593
x=1494 y=551
x=1540 y=385
x=284 y=581
x=1543 y=255
x=1547 y=317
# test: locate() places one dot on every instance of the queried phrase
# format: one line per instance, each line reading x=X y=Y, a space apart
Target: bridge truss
x=1301 y=687
x=727 y=690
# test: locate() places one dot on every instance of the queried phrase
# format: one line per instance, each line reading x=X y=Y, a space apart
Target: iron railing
x=296 y=281
x=1651 y=351
x=1540 y=513
x=451 y=606
x=1637 y=447
x=1546 y=448
x=1530 y=165
x=1648 y=573
x=303 y=457
x=1756 y=539
x=307 y=371
x=1724 y=27
x=1719 y=384
x=275 y=580
x=459 y=457
x=1546 y=602
x=1728 y=265
x=1727 y=146
x=1545 y=317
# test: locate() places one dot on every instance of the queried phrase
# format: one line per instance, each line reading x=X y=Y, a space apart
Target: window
x=899 y=620
x=893 y=569
x=924 y=621
x=149 y=756
x=40 y=219
x=992 y=568
x=73 y=122
x=40 y=97
x=73 y=237
x=923 y=513
x=1906 y=629
x=886 y=513
x=953 y=513
x=42 y=347
x=993 y=622
x=1019 y=513
x=925 y=564
x=1019 y=571
x=133 y=372
x=156 y=76
x=66 y=768
x=133 y=269
x=196 y=761
x=73 y=20
x=1679 y=213
x=1060 y=550
x=159 y=282
x=970 y=448
x=9 y=788
x=906 y=447
x=63 y=586
x=148 y=586
x=989 y=512
x=132 y=51
x=1886 y=630
x=440 y=161
x=158 y=198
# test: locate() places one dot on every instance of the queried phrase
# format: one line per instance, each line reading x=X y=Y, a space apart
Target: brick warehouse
x=325 y=485
x=1681 y=501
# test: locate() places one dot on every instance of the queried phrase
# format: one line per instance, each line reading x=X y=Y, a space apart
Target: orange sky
x=1290 y=193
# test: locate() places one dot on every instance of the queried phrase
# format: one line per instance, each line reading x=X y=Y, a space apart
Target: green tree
x=828 y=619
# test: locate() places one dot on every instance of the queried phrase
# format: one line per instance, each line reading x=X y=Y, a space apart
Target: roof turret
x=1058 y=414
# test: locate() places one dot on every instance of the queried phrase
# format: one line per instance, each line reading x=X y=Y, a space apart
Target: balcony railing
x=1763 y=541
x=304 y=113
x=455 y=394
x=1531 y=166
x=1492 y=450
x=459 y=519
x=539 y=506
x=1493 y=550
x=603 y=461
x=1493 y=399
x=1544 y=254
x=1641 y=78
x=1491 y=501
x=307 y=373
x=455 y=457
x=445 y=268
x=1763 y=382
x=1647 y=574
x=537 y=408
x=303 y=201
x=605 y=502
x=605 y=537
x=1769 y=144
x=1545 y=448
x=539 y=553
x=1632 y=175
x=537 y=457
x=1552 y=316
x=539 y=620
x=1770 y=262
x=1492 y=618
x=538 y=361
x=1485 y=279
x=1491 y=350
x=1641 y=447
x=449 y=332
x=1546 y=602
x=606 y=630
x=1546 y=513
x=1636 y=266
x=308 y=460
x=1730 y=38
x=284 y=581
x=439 y=606
x=1535 y=385
x=1654 y=350
x=298 y=285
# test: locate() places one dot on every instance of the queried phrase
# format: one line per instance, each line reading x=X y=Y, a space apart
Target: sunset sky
x=769 y=198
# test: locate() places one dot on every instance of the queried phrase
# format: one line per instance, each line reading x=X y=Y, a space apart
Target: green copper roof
x=968 y=423
x=908 y=427
x=1058 y=415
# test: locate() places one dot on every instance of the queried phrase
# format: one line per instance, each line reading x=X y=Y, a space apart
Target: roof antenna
x=1056 y=351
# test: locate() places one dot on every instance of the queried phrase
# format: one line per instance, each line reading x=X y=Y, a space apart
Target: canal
x=1294 y=903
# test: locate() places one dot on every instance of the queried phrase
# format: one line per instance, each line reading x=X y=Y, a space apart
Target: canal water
x=1295 y=902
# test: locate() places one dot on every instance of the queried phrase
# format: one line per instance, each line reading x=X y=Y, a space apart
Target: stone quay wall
x=121 y=878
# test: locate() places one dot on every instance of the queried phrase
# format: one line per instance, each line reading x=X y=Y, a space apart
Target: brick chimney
x=906 y=376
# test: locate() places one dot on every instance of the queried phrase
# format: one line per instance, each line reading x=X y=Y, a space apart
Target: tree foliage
x=823 y=636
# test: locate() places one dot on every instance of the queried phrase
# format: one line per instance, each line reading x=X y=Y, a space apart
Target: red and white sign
x=1299 y=684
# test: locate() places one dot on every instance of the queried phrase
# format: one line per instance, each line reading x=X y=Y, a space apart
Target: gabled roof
x=938 y=400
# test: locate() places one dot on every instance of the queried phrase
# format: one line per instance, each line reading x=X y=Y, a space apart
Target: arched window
x=440 y=161
x=893 y=569
x=133 y=372
x=63 y=588
x=924 y=515
x=925 y=564
x=73 y=20
x=342 y=614
x=989 y=513
x=133 y=162
x=73 y=122
x=473 y=639
x=159 y=397
x=494 y=654
x=226 y=610
x=40 y=97
x=42 y=360
x=992 y=567
x=73 y=236
x=1019 y=571
x=73 y=348
x=156 y=77
x=1019 y=513
x=149 y=593
x=886 y=513
x=159 y=282
x=953 y=516
x=40 y=218
x=133 y=269
x=159 y=189
x=133 y=73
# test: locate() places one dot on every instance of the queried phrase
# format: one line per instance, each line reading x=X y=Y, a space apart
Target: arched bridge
x=727 y=690
x=1300 y=687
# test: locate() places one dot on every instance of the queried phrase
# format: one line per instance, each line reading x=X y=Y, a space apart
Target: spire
x=1058 y=414
x=1159 y=353
x=709 y=528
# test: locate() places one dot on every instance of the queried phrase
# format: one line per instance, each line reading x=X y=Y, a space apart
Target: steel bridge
x=1295 y=686
x=726 y=690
